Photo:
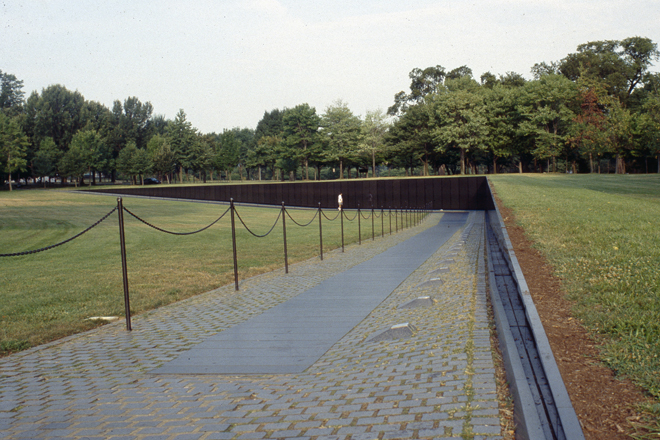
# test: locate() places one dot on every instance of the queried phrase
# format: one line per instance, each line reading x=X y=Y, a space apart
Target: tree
x=11 y=94
x=133 y=162
x=587 y=133
x=301 y=125
x=374 y=129
x=459 y=121
x=162 y=156
x=92 y=151
x=621 y=65
x=649 y=126
x=341 y=134
x=13 y=145
x=56 y=113
x=501 y=122
x=44 y=163
x=422 y=83
x=228 y=151
x=181 y=136
x=546 y=110
x=411 y=138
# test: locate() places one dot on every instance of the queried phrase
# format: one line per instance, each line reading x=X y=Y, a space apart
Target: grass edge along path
x=598 y=234
x=50 y=295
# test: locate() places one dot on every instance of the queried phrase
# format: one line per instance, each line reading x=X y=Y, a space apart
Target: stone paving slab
x=437 y=383
x=322 y=314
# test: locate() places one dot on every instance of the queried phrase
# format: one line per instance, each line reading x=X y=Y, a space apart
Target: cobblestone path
x=434 y=384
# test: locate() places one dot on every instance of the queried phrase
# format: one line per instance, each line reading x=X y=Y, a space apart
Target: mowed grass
x=48 y=295
x=602 y=235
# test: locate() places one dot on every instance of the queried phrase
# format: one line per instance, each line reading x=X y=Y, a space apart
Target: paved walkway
x=375 y=382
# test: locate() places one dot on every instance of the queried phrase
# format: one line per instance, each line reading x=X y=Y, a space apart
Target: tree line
x=596 y=110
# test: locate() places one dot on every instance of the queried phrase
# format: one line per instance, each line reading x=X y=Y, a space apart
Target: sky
x=226 y=62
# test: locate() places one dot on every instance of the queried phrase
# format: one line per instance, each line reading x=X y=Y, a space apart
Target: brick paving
x=438 y=383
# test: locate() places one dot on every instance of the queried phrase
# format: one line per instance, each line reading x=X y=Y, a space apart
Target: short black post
x=382 y=222
x=359 y=226
x=320 y=232
x=390 y=217
x=341 y=216
x=233 y=242
x=372 y=224
x=286 y=257
x=396 y=221
x=124 y=266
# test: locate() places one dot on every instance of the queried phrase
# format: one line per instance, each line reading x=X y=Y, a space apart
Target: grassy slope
x=601 y=233
x=48 y=295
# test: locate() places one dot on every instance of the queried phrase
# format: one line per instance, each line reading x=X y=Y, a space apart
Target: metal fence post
x=396 y=221
x=286 y=257
x=372 y=224
x=341 y=216
x=382 y=222
x=389 y=216
x=233 y=242
x=359 y=227
x=320 y=232
x=124 y=267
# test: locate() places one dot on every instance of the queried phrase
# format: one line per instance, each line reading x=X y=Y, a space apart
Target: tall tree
x=622 y=65
x=162 y=156
x=374 y=129
x=459 y=119
x=547 y=108
x=56 y=113
x=13 y=145
x=181 y=136
x=301 y=125
x=44 y=163
x=422 y=83
x=341 y=134
x=11 y=94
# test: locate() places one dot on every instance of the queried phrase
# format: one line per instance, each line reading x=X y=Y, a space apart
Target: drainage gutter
x=542 y=407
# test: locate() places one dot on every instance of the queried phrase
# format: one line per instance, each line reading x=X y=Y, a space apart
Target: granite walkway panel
x=437 y=384
x=291 y=336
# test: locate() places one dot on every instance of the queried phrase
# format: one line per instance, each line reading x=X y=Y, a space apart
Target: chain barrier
x=17 y=254
x=363 y=216
x=299 y=224
x=176 y=233
x=251 y=232
x=330 y=219
x=354 y=217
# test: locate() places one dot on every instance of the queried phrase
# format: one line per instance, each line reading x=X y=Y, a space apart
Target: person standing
x=340 y=201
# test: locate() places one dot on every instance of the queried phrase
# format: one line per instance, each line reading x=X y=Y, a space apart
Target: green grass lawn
x=49 y=295
x=601 y=233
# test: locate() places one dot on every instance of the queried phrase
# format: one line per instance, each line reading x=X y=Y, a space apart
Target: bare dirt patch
x=604 y=403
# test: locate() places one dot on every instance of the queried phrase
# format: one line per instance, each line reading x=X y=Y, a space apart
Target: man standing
x=340 y=201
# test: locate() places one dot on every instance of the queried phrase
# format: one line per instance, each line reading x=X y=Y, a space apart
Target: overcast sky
x=225 y=62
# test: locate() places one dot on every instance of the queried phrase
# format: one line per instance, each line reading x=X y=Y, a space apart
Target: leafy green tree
x=341 y=135
x=622 y=65
x=501 y=121
x=374 y=129
x=228 y=152
x=410 y=137
x=56 y=113
x=301 y=125
x=162 y=156
x=649 y=126
x=459 y=121
x=546 y=107
x=181 y=136
x=44 y=163
x=13 y=145
x=11 y=94
x=130 y=161
x=422 y=83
